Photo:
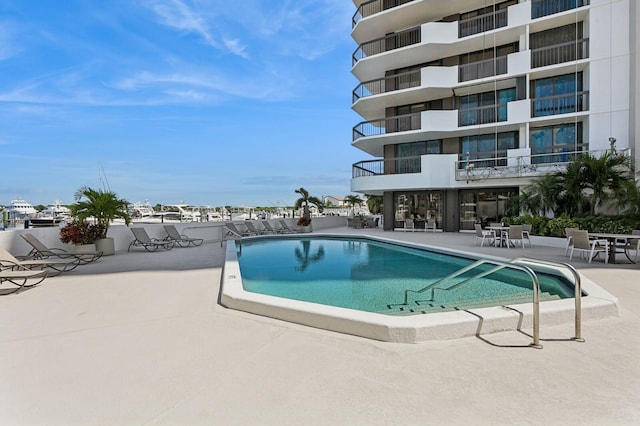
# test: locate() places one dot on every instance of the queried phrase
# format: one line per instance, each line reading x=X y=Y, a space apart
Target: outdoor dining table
x=500 y=230
x=611 y=242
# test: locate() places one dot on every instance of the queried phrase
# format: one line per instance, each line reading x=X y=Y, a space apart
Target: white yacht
x=55 y=213
x=20 y=209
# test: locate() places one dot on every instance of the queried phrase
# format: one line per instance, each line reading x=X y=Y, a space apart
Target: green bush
x=544 y=226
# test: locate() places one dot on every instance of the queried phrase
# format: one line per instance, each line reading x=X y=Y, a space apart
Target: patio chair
x=484 y=234
x=10 y=262
x=515 y=233
x=585 y=246
x=142 y=239
x=409 y=225
x=526 y=232
x=40 y=251
x=431 y=224
x=569 y=242
x=180 y=239
x=20 y=277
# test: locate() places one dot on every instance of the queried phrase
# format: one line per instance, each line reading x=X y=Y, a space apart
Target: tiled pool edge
x=409 y=329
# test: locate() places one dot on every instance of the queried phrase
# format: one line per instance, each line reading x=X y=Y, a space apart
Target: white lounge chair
x=20 y=277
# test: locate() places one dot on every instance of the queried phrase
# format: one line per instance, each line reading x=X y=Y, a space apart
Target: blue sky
x=206 y=102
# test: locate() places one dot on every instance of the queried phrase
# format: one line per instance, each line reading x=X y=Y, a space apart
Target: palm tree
x=604 y=175
x=102 y=206
x=541 y=196
x=304 y=201
x=374 y=203
x=353 y=201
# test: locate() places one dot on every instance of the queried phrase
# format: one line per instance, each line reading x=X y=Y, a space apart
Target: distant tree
x=374 y=203
x=353 y=201
x=304 y=201
x=102 y=206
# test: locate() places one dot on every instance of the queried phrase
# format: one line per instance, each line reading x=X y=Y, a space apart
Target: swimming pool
x=307 y=280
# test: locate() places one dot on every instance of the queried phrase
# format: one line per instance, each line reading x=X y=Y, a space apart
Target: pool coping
x=597 y=304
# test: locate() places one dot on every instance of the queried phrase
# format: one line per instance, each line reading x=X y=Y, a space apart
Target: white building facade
x=464 y=102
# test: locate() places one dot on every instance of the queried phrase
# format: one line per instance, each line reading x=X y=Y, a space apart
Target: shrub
x=81 y=233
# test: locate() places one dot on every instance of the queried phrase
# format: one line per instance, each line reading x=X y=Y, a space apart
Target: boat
x=141 y=212
x=53 y=215
x=20 y=209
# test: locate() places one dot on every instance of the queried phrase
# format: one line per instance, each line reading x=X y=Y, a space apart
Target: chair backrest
x=408 y=223
x=5 y=255
x=141 y=235
x=35 y=243
x=526 y=227
x=172 y=232
x=284 y=224
x=478 y=228
x=569 y=231
x=250 y=226
x=267 y=226
x=580 y=239
x=431 y=223
x=515 y=232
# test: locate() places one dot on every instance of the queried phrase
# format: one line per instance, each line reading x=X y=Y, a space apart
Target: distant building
x=333 y=201
x=463 y=103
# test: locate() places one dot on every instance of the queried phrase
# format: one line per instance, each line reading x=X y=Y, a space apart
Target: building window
x=408 y=155
x=484 y=206
x=419 y=206
x=486 y=150
x=561 y=94
x=563 y=141
x=487 y=107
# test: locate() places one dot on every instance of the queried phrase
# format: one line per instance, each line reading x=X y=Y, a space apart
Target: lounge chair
x=592 y=248
x=252 y=228
x=232 y=229
x=180 y=239
x=484 y=234
x=270 y=229
x=40 y=251
x=284 y=226
x=20 y=277
x=142 y=239
x=8 y=261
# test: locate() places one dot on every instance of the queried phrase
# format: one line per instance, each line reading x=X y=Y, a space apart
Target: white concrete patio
x=140 y=338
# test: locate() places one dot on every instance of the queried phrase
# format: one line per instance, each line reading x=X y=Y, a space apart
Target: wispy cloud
x=8 y=44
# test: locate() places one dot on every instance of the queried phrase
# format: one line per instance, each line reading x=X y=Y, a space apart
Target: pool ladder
x=513 y=264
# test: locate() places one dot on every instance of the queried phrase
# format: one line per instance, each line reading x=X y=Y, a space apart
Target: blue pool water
x=372 y=276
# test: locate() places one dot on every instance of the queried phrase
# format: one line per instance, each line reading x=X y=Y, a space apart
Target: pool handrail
x=577 y=285
x=499 y=265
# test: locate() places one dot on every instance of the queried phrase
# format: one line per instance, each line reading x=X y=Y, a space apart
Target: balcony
x=383 y=126
x=560 y=53
x=387 y=43
x=482 y=69
x=372 y=7
x=387 y=166
x=387 y=84
x=482 y=115
x=540 y=8
x=483 y=23
x=560 y=104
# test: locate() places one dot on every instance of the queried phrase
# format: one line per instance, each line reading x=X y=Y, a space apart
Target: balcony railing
x=560 y=104
x=560 y=53
x=482 y=115
x=483 y=23
x=374 y=6
x=382 y=126
x=387 y=166
x=540 y=8
x=389 y=42
x=476 y=160
x=387 y=84
x=482 y=69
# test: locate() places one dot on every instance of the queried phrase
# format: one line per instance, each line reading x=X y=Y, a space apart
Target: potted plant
x=304 y=201
x=81 y=234
x=102 y=207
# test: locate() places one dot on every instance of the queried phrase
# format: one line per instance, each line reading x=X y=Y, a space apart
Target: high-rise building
x=464 y=102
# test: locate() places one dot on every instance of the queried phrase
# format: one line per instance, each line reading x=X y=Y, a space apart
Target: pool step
x=426 y=307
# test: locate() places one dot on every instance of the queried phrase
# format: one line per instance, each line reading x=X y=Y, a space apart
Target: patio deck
x=140 y=338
